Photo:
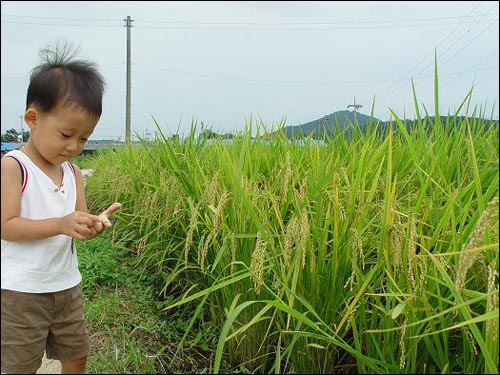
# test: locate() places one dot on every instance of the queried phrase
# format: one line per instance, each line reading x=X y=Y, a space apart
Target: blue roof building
x=7 y=146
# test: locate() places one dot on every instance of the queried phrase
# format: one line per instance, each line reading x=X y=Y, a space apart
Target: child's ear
x=31 y=117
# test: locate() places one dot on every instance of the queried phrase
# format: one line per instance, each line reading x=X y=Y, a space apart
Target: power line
x=310 y=23
x=223 y=77
x=473 y=40
x=234 y=28
x=396 y=90
x=293 y=82
x=387 y=97
x=62 y=18
x=56 y=24
x=254 y=26
x=472 y=69
x=256 y=23
x=290 y=28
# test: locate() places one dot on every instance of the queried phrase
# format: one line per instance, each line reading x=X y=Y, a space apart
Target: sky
x=230 y=64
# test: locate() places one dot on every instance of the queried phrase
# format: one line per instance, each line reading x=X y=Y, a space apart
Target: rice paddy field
x=373 y=253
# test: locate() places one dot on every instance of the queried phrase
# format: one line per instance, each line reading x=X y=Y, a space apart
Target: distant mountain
x=348 y=120
x=336 y=120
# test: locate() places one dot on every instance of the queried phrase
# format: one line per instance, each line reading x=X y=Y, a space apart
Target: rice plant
x=372 y=253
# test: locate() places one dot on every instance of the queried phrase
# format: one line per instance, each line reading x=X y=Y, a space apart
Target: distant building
x=9 y=146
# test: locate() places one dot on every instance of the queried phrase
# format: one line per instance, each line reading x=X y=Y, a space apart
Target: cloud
x=222 y=62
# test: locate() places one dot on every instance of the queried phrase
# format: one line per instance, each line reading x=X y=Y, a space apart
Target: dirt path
x=87 y=172
x=49 y=366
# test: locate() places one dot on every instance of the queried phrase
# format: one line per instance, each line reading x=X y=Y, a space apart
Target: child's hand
x=103 y=217
x=79 y=225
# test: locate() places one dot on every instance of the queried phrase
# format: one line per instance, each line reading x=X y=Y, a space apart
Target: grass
x=129 y=332
x=83 y=161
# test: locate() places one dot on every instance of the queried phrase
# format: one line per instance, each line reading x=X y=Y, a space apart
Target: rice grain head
x=193 y=223
x=492 y=304
x=211 y=191
x=292 y=233
x=357 y=258
x=467 y=258
x=402 y=358
x=233 y=252
x=218 y=211
x=412 y=253
x=203 y=249
x=257 y=263
x=304 y=229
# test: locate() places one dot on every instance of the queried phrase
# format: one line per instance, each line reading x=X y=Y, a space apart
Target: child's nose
x=72 y=145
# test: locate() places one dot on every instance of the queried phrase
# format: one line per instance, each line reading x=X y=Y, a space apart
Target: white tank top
x=49 y=264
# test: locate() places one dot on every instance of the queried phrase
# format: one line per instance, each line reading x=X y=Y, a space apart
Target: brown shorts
x=36 y=322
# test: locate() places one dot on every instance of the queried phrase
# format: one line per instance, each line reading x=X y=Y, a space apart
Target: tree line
x=14 y=136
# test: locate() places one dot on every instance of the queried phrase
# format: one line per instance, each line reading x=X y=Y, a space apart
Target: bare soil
x=49 y=366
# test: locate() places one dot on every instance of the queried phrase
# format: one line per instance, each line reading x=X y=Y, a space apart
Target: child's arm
x=81 y=200
x=78 y=224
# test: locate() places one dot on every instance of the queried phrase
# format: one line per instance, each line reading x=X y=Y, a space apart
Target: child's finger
x=115 y=206
x=98 y=226
x=94 y=218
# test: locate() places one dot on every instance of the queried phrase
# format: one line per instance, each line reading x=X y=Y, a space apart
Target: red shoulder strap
x=72 y=168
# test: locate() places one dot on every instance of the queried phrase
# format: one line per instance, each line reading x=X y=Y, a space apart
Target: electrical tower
x=354 y=106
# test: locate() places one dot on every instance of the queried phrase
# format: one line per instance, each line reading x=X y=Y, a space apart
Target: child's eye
x=65 y=135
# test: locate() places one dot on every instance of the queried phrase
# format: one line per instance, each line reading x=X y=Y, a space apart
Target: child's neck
x=54 y=172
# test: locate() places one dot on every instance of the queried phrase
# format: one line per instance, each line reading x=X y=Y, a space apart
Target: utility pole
x=127 y=109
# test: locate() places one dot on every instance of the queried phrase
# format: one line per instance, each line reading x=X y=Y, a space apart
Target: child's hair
x=62 y=80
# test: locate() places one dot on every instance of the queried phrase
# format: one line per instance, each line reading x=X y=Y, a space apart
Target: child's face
x=60 y=135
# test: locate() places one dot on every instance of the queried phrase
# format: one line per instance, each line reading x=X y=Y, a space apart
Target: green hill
x=336 y=120
x=346 y=121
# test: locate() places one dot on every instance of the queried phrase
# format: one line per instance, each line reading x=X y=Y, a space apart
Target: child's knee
x=76 y=366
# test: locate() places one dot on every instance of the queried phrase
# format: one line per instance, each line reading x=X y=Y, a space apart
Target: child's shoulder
x=9 y=159
x=13 y=157
x=74 y=167
x=10 y=165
